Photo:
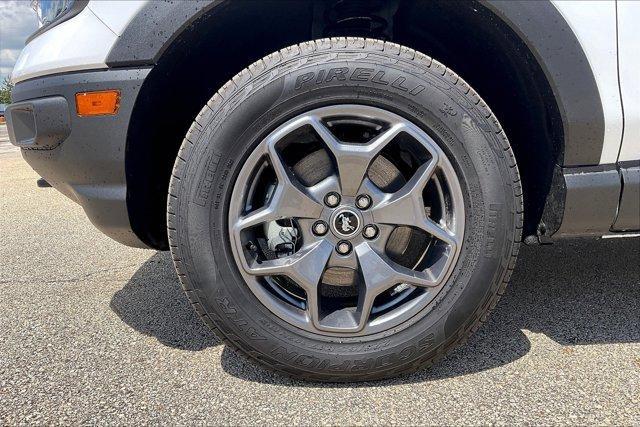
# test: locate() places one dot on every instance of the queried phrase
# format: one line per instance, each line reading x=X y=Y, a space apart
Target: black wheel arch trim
x=153 y=29
x=558 y=51
x=539 y=24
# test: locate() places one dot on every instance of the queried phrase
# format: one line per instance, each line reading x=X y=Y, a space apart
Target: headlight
x=53 y=12
x=50 y=11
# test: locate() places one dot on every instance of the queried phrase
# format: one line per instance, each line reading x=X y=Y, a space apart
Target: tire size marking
x=223 y=178
x=204 y=187
x=493 y=221
x=321 y=346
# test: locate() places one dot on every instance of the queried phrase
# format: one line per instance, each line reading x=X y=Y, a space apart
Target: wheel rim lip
x=415 y=309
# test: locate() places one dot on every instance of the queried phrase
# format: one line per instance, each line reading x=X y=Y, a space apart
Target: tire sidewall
x=250 y=111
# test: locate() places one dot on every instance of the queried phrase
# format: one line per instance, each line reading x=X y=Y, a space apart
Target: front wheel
x=345 y=209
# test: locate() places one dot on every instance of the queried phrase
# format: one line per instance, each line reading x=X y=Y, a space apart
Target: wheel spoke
x=313 y=307
x=289 y=200
x=406 y=206
x=304 y=267
x=353 y=160
x=440 y=232
x=327 y=185
x=380 y=274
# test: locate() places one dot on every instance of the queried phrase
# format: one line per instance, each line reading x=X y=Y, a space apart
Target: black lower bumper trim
x=628 y=218
x=40 y=123
x=601 y=200
x=592 y=195
x=88 y=163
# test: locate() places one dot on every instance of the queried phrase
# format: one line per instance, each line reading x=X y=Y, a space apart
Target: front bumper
x=82 y=157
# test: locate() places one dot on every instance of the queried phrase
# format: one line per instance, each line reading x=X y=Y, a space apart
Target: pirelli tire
x=353 y=87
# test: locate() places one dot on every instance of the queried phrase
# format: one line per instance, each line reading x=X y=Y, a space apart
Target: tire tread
x=254 y=71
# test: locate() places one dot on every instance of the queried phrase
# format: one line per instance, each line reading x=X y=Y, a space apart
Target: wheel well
x=465 y=36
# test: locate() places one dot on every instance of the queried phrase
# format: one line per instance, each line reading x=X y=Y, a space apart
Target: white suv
x=343 y=184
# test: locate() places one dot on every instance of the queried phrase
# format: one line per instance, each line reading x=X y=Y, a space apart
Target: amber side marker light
x=98 y=103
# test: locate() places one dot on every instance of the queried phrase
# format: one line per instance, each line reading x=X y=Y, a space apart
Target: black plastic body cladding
x=560 y=55
x=88 y=166
x=539 y=24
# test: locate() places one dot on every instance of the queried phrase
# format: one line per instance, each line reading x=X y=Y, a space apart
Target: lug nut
x=320 y=228
x=370 y=231
x=363 y=201
x=332 y=199
x=343 y=247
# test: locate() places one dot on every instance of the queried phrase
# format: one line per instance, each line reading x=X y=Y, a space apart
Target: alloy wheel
x=347 y=220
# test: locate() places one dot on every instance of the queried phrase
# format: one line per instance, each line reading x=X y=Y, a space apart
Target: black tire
x=273 y=89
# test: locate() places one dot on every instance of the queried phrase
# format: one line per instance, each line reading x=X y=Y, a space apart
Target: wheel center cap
x=345 y=223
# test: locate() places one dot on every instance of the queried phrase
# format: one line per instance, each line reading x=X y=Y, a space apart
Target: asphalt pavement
x=95 y=332
x=5 y=145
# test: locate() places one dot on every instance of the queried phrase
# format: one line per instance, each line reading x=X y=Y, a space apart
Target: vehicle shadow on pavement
x=153 y=303
x=575 y=292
